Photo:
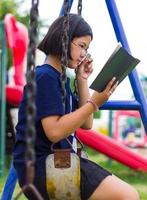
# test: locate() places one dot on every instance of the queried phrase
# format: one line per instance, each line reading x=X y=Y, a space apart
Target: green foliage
x=13 y=6
x=7 y=6
x=72 y=79
x=97 y=115
x=144 y=84
x=16 y=8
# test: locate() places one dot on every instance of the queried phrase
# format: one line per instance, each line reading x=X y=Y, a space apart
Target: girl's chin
x=73 y=66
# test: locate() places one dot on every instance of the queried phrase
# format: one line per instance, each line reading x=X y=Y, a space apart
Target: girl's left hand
x=85 y=69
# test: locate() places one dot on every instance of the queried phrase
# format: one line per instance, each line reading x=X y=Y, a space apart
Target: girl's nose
x=83 y=53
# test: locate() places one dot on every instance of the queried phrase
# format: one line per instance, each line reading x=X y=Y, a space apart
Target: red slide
x=112 y=149
x=17 y=41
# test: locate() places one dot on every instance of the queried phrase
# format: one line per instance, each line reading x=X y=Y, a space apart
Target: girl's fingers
x=111 y=83
x=111 y=86
x=115 y=86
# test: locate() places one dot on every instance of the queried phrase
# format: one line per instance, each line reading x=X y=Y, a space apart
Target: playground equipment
x=129 y=138
x=3 y=56
x=15 y=37
x=139 y=104
x=17 y=42
x=109 y=147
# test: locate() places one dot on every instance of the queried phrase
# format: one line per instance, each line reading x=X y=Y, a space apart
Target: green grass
x=17 y=188
x=4 y=177
x=135 y=178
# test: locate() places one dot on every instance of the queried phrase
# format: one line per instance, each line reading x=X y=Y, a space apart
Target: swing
x=30 y=108
x=67 y=170
x=63 y=166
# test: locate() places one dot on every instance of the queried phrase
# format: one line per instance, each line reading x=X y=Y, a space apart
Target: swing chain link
x=31 y=88
x=79 y=7
x=33 y=32
x=64 y=57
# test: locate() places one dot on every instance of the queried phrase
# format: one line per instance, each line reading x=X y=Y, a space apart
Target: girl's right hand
x=101 y=97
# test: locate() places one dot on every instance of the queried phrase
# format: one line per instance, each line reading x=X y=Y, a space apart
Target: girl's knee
x=131 y=195
x=116 y=189
x=128 y=192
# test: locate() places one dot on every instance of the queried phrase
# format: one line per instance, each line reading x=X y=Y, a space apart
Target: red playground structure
x=130 y=139
x=17 y=41
x=110 y=148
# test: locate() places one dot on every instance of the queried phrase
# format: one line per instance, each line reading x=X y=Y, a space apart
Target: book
x=119 y=65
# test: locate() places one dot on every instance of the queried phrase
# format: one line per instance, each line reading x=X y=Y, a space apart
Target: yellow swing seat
x=63 y=175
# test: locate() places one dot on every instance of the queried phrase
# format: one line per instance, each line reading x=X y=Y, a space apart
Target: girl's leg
x=113 y=188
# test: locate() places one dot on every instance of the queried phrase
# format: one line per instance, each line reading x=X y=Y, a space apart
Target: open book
x=119 y=65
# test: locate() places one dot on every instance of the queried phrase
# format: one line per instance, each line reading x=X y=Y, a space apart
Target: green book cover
x=119 y=65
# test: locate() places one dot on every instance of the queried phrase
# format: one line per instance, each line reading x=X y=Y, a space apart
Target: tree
x=17 y=8
x=13 y=6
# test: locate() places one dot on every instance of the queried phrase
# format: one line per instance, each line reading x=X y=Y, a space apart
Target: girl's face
x=79 y=47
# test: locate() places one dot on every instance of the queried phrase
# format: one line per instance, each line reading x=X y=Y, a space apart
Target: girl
x=53 y=125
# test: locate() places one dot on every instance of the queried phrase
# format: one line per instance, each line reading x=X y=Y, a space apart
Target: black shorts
x=91 y=176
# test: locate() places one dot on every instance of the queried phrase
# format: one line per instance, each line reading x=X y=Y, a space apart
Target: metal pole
x=62 y=9
x=133 y=76
x=3 y=62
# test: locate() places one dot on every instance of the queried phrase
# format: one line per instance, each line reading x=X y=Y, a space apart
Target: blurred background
x=126 y=127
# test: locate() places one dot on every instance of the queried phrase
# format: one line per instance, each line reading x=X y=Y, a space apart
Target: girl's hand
x=101 y=97
x=85 y=69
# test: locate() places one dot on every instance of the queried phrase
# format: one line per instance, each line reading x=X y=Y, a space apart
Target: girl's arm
x=57 y=128
x=60 y=127
x=82 y=73
x=84 y=95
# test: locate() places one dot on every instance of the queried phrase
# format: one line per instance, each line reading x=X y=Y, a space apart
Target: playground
x=119 y=144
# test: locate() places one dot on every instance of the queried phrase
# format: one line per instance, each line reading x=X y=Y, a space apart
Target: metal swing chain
x=31 y=90
x=64 y=57
x=31 y=109
x=79 y=9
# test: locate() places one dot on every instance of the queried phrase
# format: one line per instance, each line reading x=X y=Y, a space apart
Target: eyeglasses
x=81 y=46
